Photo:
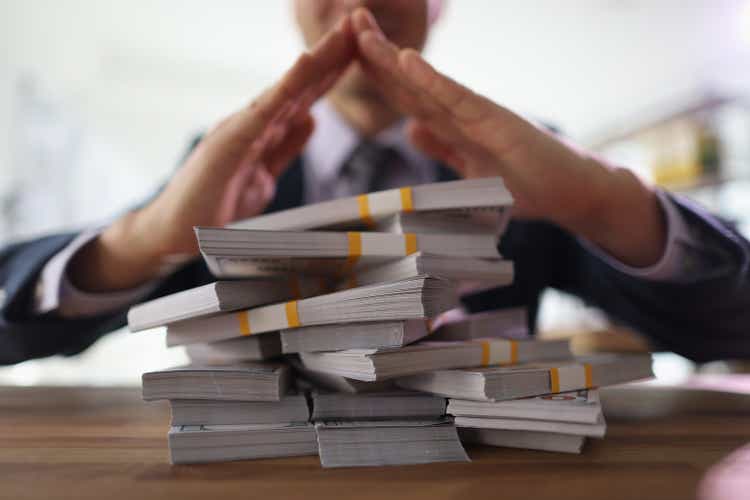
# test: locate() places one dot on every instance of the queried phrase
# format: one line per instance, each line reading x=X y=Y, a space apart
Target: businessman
x=652 y=260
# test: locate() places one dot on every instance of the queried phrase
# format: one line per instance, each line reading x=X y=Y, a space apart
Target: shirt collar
x=334 y=140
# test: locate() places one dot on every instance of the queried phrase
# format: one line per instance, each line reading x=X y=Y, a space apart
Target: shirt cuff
x=670 y=266
x=55 y=292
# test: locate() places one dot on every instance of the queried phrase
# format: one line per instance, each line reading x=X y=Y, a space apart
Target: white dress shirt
x=325 y=154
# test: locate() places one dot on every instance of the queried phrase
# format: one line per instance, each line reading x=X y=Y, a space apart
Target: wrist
x=627 y=221
x=119 y=258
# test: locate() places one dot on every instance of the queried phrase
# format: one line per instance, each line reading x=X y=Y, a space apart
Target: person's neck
x=367 y=118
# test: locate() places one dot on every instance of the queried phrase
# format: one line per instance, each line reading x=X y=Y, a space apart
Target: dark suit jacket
x=707 y=317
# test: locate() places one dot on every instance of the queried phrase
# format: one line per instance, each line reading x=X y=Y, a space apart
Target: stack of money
x=554 y=422
x=350 y=298
x=232 y=412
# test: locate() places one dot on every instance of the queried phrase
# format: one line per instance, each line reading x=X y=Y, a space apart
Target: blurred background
x=99 y=99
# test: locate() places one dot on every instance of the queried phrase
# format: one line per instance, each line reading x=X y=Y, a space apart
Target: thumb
x=424 y=139
x=256 y=195
x=234 y=192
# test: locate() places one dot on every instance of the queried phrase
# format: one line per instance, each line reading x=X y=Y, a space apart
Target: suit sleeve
x=28 y=331
x=25 y=334
x=703 y=314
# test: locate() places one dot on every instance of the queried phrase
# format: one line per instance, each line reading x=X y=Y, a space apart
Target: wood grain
x=107 y=444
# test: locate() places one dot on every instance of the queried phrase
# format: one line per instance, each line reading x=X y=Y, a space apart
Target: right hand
x=230 y=174
x=549 y=179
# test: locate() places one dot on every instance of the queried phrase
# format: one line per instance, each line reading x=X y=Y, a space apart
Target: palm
x=478 y=137
x=231 y=174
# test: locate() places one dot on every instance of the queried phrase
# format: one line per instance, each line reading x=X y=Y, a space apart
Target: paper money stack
x=242 y=411
x=554 y=422
x=353 y=294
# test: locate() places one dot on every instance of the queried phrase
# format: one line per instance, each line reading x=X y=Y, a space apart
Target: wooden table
x=107 y=444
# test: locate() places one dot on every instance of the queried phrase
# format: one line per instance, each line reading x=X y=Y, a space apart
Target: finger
x=437 y=94
x=278 y=158
x=256 y=195
x=464 y=104
x=381 y=59
x=230 y=140
x=378 y=53
x=297 y=111
x=311 y=95
x=234 y=191
x=330 y=54
x=424 y=139
x=363 y=20
x=337 y=49
x=464 y=154
x=495 y=127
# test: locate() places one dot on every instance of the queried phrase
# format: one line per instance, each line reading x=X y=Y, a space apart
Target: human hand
x=230 y=174
x=548 y=178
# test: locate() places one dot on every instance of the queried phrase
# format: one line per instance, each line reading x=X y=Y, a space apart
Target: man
x=649 y=259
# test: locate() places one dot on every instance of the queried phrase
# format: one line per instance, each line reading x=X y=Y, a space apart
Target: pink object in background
x=729 y=479
x=450 y=316
x=737 y=383
x=434 y=9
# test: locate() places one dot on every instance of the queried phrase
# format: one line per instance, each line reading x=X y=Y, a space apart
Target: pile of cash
x=337 y=329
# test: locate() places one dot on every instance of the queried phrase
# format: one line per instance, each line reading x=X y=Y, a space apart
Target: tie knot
x=366 y=164
x=368 y=156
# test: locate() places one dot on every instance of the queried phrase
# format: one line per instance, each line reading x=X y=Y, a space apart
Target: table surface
x=107 y=444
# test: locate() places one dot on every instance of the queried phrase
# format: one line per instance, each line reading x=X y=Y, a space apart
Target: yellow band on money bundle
x=383 y=203
x=355 y=246
x=571 y=378
x=269 y=318
x=360 y=244
x=499 y=352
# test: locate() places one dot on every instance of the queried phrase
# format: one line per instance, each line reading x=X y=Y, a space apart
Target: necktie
x=368 y=168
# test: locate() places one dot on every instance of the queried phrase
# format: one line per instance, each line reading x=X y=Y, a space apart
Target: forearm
x=695 y=301
x=626 y=220
x=120 y=258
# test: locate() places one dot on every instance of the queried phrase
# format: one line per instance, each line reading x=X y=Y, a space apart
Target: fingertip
x=363 y=20
x=359 y=21
x=408 y=55
x=414 y=65
x=303 y=60
x=331 y=38
x=307 y=124
x=344 y=25
x=371 y=36
x=373 y=45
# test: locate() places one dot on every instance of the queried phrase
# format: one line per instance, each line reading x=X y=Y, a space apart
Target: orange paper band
x=554 y=380
x=244 y=319
x=292 y=315
x=355 y=246
x=364 y=210
x=589 y=376
x=410 y=243
x=407 y=204
x=485 y=353
x=513 y=352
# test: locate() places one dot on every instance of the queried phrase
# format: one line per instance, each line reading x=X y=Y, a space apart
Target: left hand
x=548 y=178
x=231 y=174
